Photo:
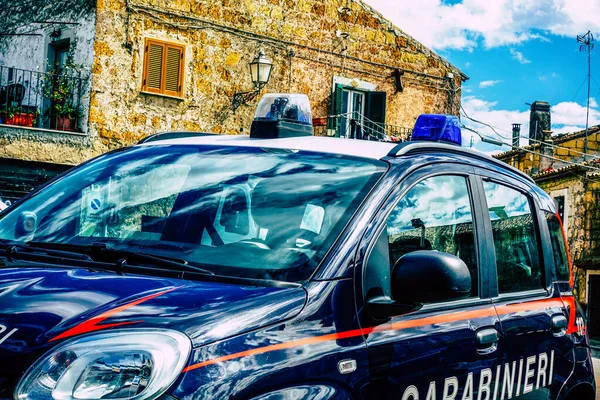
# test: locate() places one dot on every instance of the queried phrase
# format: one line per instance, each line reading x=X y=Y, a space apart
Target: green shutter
x=336 y=103
x=333 y=123
x=375 y=113
x=376 y=102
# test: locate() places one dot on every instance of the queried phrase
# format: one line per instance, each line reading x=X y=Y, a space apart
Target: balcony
x=356 y=126
x=44 y=100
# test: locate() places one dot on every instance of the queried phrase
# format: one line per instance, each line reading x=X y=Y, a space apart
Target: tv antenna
x=586 y=42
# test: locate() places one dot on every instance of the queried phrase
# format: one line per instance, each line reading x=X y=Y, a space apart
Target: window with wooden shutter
x=163 y=68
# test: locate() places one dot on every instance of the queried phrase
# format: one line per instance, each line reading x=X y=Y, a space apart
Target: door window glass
x=435 y=215
x=515 y=240
x=559 y=249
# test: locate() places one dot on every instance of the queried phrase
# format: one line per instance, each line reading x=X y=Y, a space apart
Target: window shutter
x=154 y=67
x=336 y=103
x=376 y=104
x=173 y=71
x=163 y=68
x=333 y=123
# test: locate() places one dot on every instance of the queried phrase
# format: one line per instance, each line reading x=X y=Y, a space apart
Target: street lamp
x=260 y=71
x=55 y=35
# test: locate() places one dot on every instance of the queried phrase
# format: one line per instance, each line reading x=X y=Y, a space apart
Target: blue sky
x=514 y=51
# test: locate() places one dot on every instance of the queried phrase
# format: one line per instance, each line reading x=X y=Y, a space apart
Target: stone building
x=560 y=165
x=144 y=66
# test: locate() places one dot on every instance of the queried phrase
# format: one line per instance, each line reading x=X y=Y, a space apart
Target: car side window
x=436 y=214
x=559 y=249
x=515 y=239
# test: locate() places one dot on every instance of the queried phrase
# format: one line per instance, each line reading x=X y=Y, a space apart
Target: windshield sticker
x=96 y=204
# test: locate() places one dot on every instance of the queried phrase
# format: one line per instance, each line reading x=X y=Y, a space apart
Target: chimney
x=539 y=120
x=516 y=135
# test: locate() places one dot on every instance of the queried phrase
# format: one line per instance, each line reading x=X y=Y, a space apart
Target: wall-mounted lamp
x=55 y=35
x=260 y=71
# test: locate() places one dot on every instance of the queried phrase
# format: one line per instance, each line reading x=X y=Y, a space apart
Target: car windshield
x=245 y=212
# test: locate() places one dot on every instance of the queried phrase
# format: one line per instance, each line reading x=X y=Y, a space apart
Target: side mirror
x=427 y=276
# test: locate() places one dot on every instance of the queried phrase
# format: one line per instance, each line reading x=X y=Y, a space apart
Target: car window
x=139 y=203
x=559 y=249
x=244 y=212
x=515 y=239
x=435 y=214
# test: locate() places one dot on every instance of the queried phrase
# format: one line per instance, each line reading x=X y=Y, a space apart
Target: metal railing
x=40 y=99
x=355 y=126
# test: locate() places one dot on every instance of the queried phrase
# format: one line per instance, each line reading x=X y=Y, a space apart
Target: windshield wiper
x=125 y=257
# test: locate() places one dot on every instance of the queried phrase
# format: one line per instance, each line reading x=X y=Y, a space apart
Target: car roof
x=348 y=147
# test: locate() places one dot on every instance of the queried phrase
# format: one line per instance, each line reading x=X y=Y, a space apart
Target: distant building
x=145 y=66
x=573 y=180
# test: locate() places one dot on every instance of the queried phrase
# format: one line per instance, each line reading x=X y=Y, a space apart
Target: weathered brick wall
x=570 y=150
x=217 y=61
x=583 y=228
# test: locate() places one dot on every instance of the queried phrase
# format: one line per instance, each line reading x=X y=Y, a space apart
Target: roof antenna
x=587 y=44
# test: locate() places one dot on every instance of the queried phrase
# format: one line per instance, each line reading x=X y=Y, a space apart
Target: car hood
x=42 y=307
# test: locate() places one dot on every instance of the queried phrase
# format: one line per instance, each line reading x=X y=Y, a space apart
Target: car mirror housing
x=427 y=276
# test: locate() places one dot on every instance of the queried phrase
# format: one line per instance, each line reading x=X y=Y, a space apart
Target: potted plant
x=61 y=88
x=17 y=116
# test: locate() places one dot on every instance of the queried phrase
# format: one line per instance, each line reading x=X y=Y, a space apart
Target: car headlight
x=126 y=364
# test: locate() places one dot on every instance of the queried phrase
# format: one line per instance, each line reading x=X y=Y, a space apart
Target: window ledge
x=163 y=95
x=43 y=130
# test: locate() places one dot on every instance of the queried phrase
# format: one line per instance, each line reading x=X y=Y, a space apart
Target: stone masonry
x=222 y=37
x=311 y=43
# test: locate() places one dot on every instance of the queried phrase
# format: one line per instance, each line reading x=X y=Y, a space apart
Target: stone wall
x=222 y=37
x=583 y=226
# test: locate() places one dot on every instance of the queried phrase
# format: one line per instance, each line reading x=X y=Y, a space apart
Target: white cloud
x=566 y=117
x=517 y=55
x=494 y=23
x=487 y=84
x=546 y=77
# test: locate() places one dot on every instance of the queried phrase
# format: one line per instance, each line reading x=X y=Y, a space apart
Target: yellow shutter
x=163 y=68
x=173 y=71
x=155 y=63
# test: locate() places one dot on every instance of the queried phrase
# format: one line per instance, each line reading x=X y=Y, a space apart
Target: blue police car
x=292 y=267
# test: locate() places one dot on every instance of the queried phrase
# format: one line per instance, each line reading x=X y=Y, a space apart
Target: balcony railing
x=356 y=126
x=41 y=99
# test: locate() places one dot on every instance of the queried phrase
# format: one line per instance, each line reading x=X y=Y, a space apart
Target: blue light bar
x=437 y=128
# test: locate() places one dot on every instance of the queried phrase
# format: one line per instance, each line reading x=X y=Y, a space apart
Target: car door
x=446 y=350
x=537 y=350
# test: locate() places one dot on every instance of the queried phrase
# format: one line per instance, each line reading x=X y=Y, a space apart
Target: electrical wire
x=579 y=90
x=526 y=137
x=151 y=11
x=583 y=165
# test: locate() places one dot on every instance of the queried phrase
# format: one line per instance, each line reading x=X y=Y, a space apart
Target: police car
x=288 y=266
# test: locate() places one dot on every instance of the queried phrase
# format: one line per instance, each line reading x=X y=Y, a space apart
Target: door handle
x=487 y=340
x=559 y=325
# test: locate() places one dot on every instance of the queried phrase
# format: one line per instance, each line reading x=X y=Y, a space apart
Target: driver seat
x=277 y=208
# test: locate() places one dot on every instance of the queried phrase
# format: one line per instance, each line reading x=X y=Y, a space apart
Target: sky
x=515 y=52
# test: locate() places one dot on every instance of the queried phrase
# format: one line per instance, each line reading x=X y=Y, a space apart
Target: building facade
x=145 y=66
x=562 y=167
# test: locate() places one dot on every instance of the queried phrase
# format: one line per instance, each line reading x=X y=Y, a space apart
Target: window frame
x=565 y=219
x=163 y=90
x=548 y=214
x=390 y=204
x=541 y=231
